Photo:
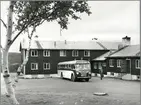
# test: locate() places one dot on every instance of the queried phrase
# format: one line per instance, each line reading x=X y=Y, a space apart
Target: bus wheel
x=62 y=75
x=87 y=80
x=73 y=78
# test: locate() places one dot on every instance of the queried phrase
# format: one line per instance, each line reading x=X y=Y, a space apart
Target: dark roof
x=103 y=57
x=129 y=51
x=87 y=45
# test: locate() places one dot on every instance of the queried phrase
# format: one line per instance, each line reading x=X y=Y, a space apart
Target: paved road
x=56 y=91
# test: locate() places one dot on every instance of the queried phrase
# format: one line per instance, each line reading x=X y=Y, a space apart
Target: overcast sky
x=109 y=21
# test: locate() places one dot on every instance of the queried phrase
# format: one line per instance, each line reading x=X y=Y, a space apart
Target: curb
x=41 y=76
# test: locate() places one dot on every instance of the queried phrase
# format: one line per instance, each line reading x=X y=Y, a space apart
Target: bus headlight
x=77 y=72
x=88 y=73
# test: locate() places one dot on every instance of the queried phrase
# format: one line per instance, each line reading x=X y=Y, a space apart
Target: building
x=125 y=63
x=103 y=61
x=100 y=63
x=45 y=55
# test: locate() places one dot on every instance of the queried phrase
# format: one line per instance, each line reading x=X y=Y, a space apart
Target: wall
x=124 y=66
x=55 y=58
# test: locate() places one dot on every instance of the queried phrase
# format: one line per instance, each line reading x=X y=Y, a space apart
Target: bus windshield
x=82 y=66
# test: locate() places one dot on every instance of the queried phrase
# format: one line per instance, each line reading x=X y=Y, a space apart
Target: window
x=62 y=53
x=34 y=53
x=104 y=64
x=99 y=65
x=74 y=53
x=137 y=64
x=118 y=63
x=111 y=63
x=46 y=66
x=86 y=53
x=69 y=66
x=66 y=66
x=95 y=65
x=34 y=66
x=46 y=53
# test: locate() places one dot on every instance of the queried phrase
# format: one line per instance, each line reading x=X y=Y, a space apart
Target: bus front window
x=82 y=67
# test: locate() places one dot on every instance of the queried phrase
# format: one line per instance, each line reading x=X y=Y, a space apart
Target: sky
x=109 y=21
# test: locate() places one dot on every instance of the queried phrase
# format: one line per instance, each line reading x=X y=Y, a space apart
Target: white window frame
x=35 y=54
x=104 y=64
x=35 y=66
x=137 y=64
x=99 y=65
x=46 y=66
x=75 y=53
x=119 y=63
x=62 y=53
x=111 y=63
x=88 y=53
x=46 y=53
x=95 y=65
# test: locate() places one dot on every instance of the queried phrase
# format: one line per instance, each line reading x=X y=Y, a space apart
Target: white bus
x=75 y=70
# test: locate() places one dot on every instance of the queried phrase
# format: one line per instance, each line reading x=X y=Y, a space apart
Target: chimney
x=120 y=46
x=126 y=41
x=65 y=41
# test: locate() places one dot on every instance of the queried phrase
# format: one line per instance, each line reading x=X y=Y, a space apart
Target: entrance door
x=129 y=66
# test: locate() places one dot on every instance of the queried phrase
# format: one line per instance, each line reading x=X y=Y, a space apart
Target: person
x=101 y=73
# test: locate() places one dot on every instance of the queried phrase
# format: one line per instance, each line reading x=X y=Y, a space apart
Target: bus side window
x=72 y=67
x=65 y=66
x=69 y=66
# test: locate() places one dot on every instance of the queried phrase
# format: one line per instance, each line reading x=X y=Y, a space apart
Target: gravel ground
x=56 y=91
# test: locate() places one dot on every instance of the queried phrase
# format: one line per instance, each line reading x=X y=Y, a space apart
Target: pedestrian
x=101 y=73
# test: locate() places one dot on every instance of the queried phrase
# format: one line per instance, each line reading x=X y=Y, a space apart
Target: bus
x=75 y=70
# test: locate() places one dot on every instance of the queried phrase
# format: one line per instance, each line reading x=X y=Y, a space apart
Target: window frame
x=119 y=63
x=75 y=53
x=45 y=54
x=137 y=64
x=88 y=52
x=99 y=65
x=36 y=66
x=64 y=54
x=111 y=63
x=34 y=54
x=46 y=63
x=95 y=65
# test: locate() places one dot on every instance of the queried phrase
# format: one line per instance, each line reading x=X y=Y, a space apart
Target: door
x=128 y=65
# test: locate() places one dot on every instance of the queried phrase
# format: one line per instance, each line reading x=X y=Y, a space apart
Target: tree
x=31 y=14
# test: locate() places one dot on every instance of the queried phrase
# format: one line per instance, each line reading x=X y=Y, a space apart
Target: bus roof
x=74 y=62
